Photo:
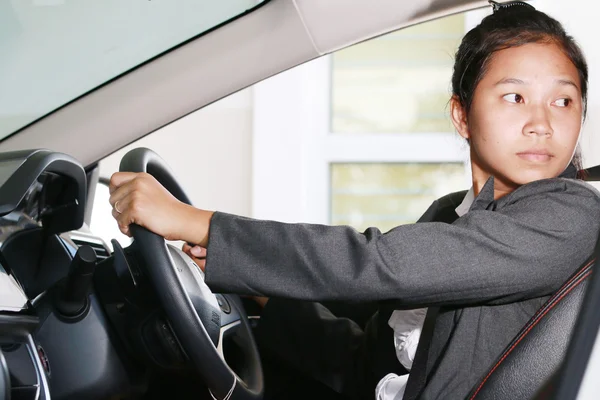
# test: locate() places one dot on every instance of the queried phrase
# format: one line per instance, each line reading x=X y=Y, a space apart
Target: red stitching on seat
x=582 y=278
x=553 y=299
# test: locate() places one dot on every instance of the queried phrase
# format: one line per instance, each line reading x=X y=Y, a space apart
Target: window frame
x=293 y=145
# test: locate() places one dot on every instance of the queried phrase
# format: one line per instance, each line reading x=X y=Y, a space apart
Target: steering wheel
x=198 y=318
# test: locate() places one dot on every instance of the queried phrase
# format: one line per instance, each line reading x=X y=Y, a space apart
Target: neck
x=480 y=177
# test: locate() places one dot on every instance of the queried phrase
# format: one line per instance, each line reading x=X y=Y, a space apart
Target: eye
x=562 y=102
x=513 y=98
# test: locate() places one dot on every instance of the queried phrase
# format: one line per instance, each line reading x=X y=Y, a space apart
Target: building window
x=398 y=83
x=362 y=137
x=386 y=195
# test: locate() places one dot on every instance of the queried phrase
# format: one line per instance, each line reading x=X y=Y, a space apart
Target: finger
x=192 y=250
x=123 y=194
x=122 y=206
x=201 y=264
x=120 y=178
x=198 y=251
x=186 y=249
x=123 y=191
x=122 y=227
x=127 y=213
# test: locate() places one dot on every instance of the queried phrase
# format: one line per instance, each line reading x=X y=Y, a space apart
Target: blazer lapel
x=442 y=210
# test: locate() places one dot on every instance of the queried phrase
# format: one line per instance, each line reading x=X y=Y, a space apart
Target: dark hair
x=510 y=27
x=505 y=28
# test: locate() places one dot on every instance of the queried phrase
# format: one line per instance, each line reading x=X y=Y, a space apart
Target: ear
x=459 y=117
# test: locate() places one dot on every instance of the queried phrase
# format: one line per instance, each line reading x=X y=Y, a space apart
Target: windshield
x=53 y=51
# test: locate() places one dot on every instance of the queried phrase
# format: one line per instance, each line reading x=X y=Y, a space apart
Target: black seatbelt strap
x=418 y=374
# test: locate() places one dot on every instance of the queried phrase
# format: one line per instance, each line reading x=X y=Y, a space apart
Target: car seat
x=530 y=366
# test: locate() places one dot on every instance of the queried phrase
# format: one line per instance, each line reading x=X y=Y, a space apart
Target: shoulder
x=560 y=189
x=556 y=204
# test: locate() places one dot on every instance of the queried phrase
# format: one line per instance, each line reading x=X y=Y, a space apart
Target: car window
x=395 y=88
x=361 y=137
x=331 y=141
x=102 y=223
x=53 y=51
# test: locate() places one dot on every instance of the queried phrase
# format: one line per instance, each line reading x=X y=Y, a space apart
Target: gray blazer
x=489 y=271
x=348 y=347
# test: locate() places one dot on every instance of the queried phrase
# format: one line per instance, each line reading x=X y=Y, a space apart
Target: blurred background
x=361 y=137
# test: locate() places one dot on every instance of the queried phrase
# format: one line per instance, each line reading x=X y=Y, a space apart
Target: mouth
x=536 y=155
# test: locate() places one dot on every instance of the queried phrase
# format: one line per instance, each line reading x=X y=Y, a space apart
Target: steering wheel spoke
x=199 y=321
x=225 y=332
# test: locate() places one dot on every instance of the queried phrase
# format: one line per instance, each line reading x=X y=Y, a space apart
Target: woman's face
x=525 y=117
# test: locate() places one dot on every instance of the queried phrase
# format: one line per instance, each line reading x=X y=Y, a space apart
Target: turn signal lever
x=72 y=297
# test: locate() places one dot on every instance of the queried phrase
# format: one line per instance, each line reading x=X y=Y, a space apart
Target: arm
x=526 y=249
x=541 y=232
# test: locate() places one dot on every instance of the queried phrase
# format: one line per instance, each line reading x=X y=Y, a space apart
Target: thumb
x=197 y=251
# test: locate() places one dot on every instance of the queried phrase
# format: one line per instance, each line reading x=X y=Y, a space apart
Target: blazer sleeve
x=526 y=248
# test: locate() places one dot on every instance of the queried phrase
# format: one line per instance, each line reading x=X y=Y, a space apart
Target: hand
x=197 y=254
x=138 y=198
x=262 y=301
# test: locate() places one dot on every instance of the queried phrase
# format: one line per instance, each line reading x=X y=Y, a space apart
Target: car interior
x=83 y=318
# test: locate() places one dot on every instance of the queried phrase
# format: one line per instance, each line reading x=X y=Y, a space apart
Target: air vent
x=99 y=248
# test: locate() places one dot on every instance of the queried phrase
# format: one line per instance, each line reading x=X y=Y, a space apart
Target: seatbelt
x=442 y=210
x=418 y=374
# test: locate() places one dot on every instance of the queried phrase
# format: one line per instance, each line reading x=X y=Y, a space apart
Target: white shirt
x=407 y=326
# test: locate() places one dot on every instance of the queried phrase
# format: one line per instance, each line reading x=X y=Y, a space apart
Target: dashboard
x=42 y=194
x=76 y=322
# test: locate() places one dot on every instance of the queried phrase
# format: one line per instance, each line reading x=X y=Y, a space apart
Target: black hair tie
x=505 y=6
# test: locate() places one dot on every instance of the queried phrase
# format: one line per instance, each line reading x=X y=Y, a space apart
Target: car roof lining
x=272 y=39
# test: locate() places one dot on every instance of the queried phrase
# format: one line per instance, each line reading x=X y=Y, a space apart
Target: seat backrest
x=536 y=353
x=593 y=173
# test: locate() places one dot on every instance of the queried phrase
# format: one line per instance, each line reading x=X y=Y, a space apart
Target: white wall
x=208 y=150
x=210 y=153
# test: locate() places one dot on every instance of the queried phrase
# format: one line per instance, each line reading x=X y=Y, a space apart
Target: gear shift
x=72 y=297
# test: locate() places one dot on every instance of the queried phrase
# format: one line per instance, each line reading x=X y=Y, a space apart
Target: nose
x=538 y=123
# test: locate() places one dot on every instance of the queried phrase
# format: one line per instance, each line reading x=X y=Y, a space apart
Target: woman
x=519 y=97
